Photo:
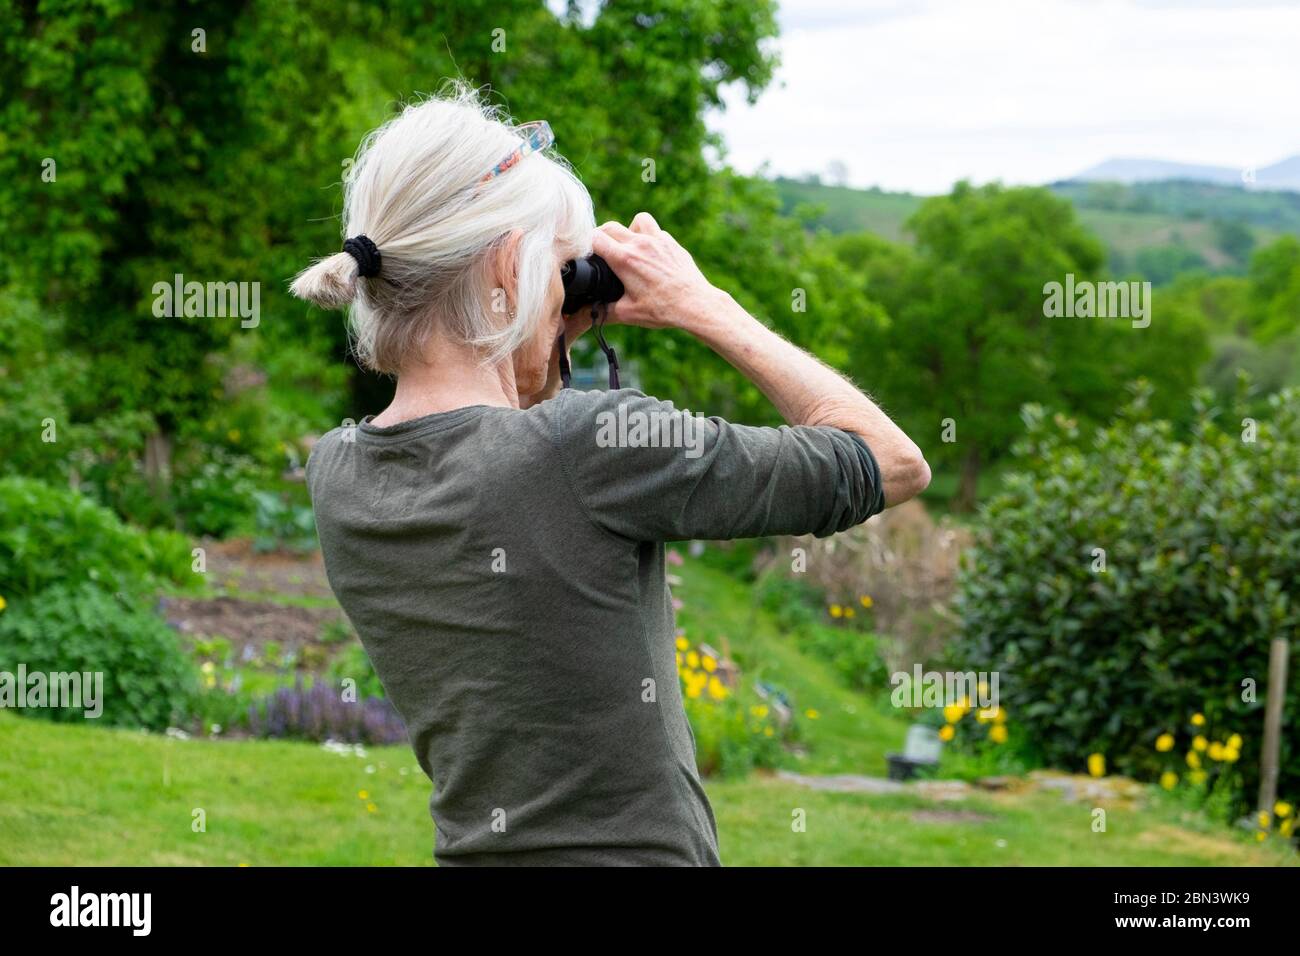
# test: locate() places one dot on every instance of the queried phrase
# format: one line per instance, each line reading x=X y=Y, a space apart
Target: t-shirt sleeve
x=647 y=471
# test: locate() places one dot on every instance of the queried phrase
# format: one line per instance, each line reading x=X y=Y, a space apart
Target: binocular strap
x=597 y=323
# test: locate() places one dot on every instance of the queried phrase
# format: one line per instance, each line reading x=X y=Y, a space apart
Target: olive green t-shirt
x=504 y=569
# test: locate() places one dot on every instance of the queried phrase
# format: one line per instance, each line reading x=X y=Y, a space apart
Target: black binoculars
x=588 y=281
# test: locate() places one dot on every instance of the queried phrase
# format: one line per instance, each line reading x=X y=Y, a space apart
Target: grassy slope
x=852 y=210
x=79 y=795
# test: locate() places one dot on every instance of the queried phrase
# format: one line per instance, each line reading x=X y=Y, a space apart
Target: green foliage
x=730 y=739
x=50 y=535
x=1274 y=306
x=1189 y=201
x=853 y=653
x=148 y=681
x=352 y=663
x=968 y=340
x=1202 y=552
x=215 y=491
x=1160 y=265
x=281 y=524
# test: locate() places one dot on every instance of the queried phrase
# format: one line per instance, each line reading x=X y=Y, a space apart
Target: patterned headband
x=537 y=137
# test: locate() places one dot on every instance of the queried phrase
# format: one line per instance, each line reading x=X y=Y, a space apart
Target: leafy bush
x=214 y=491
x=148 y=681
x=731 y=737
x=50 y=535
x=1200 y=540
x=283 y=525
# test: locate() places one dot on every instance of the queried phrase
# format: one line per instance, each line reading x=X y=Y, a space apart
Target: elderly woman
x=499 y=550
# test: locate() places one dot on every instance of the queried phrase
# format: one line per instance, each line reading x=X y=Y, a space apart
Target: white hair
x=415 y=191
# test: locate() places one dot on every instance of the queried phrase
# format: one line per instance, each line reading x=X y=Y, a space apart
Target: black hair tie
x=363 y=249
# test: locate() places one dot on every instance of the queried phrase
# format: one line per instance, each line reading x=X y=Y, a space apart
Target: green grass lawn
x=77 y=794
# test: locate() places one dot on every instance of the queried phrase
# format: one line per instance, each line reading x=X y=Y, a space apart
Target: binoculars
x=588 y=281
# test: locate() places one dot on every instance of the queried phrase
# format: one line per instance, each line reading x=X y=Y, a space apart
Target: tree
x=967 y=341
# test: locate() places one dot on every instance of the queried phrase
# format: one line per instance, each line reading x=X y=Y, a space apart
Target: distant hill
x=1156 y=230
x=1281 y=175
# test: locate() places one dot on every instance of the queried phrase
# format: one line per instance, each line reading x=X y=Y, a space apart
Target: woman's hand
x=664 y=287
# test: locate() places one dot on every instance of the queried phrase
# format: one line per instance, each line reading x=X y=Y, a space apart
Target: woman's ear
x=505 y=273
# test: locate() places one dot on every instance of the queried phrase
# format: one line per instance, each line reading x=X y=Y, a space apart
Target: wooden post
x=1268 y=758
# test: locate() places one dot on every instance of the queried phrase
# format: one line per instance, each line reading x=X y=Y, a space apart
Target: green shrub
x=1201 y=541
x=730 y=740
x=50 y=535
x=214 y=490
x=282 y=524
x=148 y=681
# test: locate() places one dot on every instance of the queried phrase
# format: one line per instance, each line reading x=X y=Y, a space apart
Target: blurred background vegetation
x=131 y=439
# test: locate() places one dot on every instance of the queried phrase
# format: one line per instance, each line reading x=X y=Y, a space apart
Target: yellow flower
x=688 y=675
x=1097 y=765
x=836 y=611
x=1193 y=760
x=679 y=660
x=760 y=711
x=363 y=794
x=371 y=808
x=1197 y=777
x=1260 y=836
x=947 y=732
x=1235 y=741
x=953 y=713
x=767 y=731
x=682 y=643
x=3 y=604
x=1198 y=720
x=1001 y=717
x=693 y=690
x=1285 y=827
x=866 y=600
x=1230 y=754
x=983 y=689
x=811 y=714
x=208 y=667
x=1169 y=780
x=710 y=664
x=1264 y=819
x=1165 y=743
x=849 y=612
x=1199 y=742
x=1282 y=808
x=692 y=660
x=717 y=689
x=1216 y=751
x=998 y=733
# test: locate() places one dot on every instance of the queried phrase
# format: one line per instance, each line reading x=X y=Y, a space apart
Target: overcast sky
x=916 y=94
